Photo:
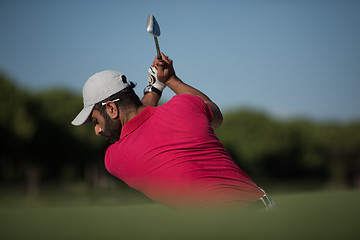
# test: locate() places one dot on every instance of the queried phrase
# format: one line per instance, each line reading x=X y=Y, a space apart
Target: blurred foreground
x=313 y=215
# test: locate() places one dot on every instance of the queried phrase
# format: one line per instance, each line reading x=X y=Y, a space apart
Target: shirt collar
x=138 y=120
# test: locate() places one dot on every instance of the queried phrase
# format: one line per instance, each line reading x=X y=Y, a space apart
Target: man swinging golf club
x=170 y=152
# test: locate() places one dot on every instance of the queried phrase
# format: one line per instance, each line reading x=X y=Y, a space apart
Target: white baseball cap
x=98 y=87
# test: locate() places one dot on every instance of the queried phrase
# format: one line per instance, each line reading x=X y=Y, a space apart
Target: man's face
x=106 y=126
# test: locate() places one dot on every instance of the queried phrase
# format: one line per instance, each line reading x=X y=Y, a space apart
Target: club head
x=152 y=26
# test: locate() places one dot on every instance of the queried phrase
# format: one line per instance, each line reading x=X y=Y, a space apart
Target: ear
x=112 y=110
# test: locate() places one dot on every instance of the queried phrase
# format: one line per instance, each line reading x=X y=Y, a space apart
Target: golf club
x=153 y=28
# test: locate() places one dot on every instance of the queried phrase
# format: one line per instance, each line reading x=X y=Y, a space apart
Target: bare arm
x=151 y=99
x=166 y=74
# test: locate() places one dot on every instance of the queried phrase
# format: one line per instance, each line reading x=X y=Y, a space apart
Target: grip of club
x=157 y=49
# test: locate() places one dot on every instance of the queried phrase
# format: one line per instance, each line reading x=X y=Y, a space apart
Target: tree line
x=39 y=145
x=294 y=149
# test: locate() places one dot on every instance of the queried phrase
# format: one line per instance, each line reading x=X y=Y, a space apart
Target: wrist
x=172 y=80
x=152 y=88
x=158 y=85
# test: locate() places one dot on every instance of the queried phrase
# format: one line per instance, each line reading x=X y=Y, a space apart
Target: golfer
x=170 y=152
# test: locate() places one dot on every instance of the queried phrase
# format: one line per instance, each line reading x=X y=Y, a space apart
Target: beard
x=112 y=129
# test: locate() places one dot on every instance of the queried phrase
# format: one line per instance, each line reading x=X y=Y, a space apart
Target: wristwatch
x=151 y=88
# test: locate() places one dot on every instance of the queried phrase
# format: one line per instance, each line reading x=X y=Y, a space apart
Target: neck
x=130 y=114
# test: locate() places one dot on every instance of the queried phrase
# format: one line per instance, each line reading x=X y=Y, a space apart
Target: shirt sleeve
x=187 y=102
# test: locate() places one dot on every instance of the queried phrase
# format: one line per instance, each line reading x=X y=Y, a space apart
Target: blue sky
x=287 y=58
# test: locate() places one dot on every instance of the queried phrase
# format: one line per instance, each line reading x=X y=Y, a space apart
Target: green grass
x=314 y=215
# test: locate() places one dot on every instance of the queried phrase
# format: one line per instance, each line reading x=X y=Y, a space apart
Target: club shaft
x=157 y=48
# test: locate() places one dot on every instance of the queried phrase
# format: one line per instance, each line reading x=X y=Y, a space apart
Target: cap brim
x=83 y=116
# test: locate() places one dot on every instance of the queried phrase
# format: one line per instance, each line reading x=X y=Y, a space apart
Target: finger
x=160 y=64
x=155 y=62
x=165 y=58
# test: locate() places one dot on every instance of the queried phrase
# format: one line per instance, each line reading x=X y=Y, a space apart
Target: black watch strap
x=151 y=88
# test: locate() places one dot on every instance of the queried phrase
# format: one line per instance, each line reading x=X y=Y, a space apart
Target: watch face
x=151 y=88
x=147 y=89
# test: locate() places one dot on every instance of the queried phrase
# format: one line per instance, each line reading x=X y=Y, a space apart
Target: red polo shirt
x=171 y=154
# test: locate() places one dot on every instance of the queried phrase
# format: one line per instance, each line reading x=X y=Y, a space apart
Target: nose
x=97 y=129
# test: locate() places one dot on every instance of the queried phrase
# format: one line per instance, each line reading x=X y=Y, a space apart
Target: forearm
x=151 y=99
x=179 y=87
